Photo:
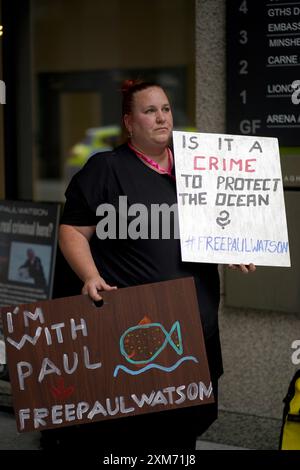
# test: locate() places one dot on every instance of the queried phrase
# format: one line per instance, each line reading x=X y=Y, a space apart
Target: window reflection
x=82 y=52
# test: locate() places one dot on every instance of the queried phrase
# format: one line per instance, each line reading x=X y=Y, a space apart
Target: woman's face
x=150 y=123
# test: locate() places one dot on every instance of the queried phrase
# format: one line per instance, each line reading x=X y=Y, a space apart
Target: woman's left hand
x=245 y=268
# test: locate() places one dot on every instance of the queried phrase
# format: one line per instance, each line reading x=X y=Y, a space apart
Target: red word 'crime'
x=225 y=164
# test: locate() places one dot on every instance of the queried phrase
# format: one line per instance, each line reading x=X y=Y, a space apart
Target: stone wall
x=256 y=344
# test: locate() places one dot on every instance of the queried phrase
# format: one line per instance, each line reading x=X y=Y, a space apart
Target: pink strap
x=153 y=163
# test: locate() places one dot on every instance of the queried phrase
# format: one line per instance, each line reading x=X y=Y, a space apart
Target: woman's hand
x=95 y=284
x=245 y=268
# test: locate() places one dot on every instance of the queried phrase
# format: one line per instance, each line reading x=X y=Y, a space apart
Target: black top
x=128 y=262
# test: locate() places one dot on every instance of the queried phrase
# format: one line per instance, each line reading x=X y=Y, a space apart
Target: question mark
x=50 y=228
x=223 y=219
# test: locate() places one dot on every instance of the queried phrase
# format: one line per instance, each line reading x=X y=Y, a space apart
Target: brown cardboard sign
x=142 y=351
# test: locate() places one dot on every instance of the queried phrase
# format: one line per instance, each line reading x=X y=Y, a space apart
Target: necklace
x=152 y=163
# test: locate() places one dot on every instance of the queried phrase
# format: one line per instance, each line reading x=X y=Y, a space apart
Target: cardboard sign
x=230 y=199
x=142 y=351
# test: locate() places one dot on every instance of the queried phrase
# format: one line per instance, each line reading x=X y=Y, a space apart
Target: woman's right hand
x=95 y=284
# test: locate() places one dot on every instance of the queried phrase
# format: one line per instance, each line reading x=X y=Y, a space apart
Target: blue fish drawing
x=142 y=343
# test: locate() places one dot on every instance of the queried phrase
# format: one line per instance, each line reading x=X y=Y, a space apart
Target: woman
x=143 y=171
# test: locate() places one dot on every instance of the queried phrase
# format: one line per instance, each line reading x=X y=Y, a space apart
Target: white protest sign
x=230 y=199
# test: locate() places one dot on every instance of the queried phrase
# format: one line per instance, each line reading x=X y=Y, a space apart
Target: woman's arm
x=74 y=244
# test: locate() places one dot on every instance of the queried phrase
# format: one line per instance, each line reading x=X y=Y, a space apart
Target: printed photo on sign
x=30 y=263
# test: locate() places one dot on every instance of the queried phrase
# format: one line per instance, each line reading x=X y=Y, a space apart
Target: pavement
x=10 y=439
x=232 y=431
x=5 y=394
x=224 y=434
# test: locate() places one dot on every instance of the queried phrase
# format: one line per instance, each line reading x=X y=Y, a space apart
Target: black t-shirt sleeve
x=85 y=192
x=76 y=211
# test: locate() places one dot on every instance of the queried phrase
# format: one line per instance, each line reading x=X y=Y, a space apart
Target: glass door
x=2 y=103
x=81 y=53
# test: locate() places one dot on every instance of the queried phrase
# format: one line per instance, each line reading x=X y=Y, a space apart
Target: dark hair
x=129 y=88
